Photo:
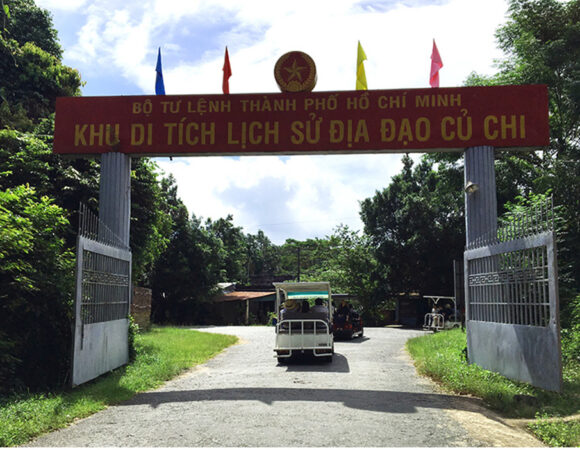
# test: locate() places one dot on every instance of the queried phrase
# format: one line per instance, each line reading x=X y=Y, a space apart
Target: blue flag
x=159 y=86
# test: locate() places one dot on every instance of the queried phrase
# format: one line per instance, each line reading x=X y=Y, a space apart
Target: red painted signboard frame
x=408 y=120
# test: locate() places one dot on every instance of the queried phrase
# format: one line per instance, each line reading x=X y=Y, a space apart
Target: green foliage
x=263 y=257
x=32 y=73
x=416 y=227
x=304 y=260
x=353 y=269
x=36 y=294
x=233 y=248
x=571 y=333
x=556 y=433
x=150 y=223
x=541 y=41
x=26 y=22
x=161 y=354
x=185 y=276
x=133 y=332
x=440 y=356
x=32 y=78
x=28 y=160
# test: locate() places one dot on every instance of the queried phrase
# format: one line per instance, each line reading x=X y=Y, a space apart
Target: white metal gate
x=511 y=288
x=102 y=300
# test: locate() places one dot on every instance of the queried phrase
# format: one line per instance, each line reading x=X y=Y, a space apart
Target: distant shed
x=243 y=307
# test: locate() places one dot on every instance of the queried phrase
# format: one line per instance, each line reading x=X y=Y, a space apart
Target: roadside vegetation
x=161 y=354
x=441 y=356
x=413 y=229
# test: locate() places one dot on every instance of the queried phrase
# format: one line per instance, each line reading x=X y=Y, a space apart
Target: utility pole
x=298 y=263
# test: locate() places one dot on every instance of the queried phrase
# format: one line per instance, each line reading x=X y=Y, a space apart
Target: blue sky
x=114 y=46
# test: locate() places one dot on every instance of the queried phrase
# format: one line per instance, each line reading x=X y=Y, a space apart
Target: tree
x=263 y=257
x=304 y=259
x=36 y=276
x=25 y=22
x=416 y=228
x=234 y=246
x=186 y=274
x=541 y=40
x=150 y=219
x=352 y=268
x=32 y=78
x=32 y=73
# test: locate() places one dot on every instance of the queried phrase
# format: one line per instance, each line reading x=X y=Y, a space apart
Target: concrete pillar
x=115 y=194
x=480 y=195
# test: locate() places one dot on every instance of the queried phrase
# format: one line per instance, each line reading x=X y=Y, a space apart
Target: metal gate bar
x=102 y=300
x=511 y=288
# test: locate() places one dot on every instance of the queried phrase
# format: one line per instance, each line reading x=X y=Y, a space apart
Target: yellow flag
x=361 y=78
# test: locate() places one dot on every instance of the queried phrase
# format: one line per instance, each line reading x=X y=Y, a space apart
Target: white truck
x=298 y=332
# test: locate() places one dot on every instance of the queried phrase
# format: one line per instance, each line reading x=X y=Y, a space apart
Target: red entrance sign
x=305 y=123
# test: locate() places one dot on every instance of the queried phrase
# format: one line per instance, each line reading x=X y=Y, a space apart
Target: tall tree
x=234 y=247
x=541 y=40
x=186 y=274
x=263 y=257
x=35 y=291
x=416 y=226
x=150 y=219
x=352 y=268
x=33 y=75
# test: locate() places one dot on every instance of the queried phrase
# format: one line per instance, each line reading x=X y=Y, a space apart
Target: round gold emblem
x=295 y=72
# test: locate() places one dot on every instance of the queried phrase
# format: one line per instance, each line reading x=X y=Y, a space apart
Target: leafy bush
x=571 y=335
x=556 y=433
x=133 y=332
x=36 y=285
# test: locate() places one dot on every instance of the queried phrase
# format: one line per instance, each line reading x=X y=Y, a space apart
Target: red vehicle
x=347 y=325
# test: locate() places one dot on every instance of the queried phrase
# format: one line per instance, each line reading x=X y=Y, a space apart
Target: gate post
x=480 y=213
x=480 y=194
x=115 y=194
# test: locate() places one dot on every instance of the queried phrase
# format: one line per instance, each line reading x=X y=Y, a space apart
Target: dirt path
x=369 y=396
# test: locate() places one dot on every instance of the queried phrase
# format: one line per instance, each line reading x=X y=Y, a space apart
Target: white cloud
x=397 y=41
x=300 y=196
x=63 y=5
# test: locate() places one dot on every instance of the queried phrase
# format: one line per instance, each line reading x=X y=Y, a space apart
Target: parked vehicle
x=442 y=317
x=347 y=326
x=300 y=332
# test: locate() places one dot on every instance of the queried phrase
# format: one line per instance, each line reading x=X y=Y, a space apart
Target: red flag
x=436 y=64
x=227 y=74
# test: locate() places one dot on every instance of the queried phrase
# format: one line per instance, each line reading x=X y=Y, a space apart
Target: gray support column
x=115 y=194
x=481 y=202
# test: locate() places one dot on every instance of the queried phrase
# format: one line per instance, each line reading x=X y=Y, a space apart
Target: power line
x=304 y=221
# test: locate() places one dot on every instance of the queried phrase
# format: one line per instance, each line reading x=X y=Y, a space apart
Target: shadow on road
x=356 y=340
x=339 y=364
x=370 y=400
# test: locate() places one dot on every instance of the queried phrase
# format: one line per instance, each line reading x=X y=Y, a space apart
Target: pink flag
x=227 y=74
x=436 y=64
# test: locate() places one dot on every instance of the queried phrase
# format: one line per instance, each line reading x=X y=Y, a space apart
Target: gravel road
x=369 y=396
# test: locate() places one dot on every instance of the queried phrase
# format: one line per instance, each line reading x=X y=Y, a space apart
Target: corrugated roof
x=239 y=296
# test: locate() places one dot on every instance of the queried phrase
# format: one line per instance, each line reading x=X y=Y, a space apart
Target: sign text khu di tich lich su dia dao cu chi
x=420 y=120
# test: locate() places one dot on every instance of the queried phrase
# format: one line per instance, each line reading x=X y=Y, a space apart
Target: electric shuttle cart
x=303 y=332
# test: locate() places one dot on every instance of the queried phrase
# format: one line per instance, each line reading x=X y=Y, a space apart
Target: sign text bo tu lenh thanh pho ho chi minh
x=375 y=121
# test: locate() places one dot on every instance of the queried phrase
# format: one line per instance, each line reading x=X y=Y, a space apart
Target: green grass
x=162 y=353
x=441 y=356
x=557 y=433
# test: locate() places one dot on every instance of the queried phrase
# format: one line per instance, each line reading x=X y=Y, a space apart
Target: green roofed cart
x=301 y=332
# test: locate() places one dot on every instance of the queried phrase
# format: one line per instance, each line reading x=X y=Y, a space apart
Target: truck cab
x=300 y=331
